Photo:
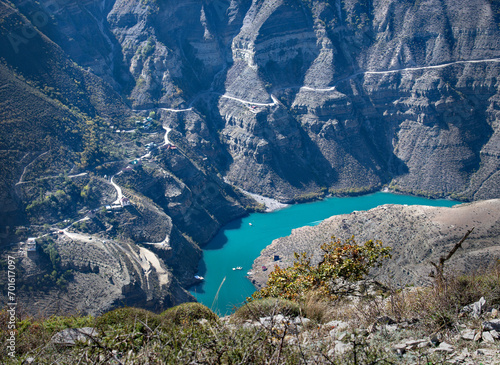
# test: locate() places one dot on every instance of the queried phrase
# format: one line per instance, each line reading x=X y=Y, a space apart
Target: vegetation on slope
x=347 y=261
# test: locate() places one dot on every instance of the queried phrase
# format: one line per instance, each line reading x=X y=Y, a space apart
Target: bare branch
x=440 y=267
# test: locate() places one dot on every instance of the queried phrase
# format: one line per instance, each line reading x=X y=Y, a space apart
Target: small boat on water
x=237 y=268
x=198 y=277
x=250 y=224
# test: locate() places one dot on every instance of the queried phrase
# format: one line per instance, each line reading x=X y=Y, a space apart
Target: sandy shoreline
x=270 y=203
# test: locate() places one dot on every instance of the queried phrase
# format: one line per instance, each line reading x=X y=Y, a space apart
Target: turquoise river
x=241 y=241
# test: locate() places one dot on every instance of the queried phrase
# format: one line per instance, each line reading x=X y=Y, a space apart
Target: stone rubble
x=340 y=337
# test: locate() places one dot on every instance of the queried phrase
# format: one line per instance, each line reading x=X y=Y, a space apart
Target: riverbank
x=270 y=203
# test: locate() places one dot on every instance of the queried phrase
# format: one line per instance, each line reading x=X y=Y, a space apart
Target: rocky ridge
x=472 y=339
x=417 y=234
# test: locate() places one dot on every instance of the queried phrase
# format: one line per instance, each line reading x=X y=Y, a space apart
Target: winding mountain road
x=21 y=179
x=326 y=89
x=332 y=88
x=167 y=131
x=177 y=110
x=275 y=101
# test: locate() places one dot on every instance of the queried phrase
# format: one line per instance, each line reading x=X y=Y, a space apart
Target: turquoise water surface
x=239 y=243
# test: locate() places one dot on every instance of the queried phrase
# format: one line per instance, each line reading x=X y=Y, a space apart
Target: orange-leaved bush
x=341 y=260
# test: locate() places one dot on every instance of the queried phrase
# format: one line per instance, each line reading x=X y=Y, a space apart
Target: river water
x=241 y=241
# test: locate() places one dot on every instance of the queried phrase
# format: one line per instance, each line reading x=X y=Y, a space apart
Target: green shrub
x=32 y=334
x=128 y=319
x=346 y=260
x=187 y=313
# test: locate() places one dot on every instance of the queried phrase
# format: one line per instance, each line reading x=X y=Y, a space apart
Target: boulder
x=492 y=324
x=475 y=309
x=468 y=334
x=71 y=336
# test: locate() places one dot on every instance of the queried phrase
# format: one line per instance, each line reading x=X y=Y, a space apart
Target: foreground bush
x=347 y=260
x=187 y=313
x=265 y=308
x=128 y=319
x=440 y=306
x=32 y=334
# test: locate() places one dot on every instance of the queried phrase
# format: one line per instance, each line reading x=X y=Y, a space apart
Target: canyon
x=291 y=100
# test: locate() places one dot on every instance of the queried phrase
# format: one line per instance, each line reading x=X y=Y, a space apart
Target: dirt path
x=119 y=192
x=332 y=88
x=167 y=131
x=21 y=179
x=177 y=110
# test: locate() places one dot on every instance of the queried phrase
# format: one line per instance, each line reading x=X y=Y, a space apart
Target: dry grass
x=317 y=308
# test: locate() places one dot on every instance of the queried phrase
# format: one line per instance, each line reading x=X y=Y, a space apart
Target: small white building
x=124 y=201
x=31 y=247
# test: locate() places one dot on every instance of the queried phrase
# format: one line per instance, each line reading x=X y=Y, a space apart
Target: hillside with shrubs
x=329 y=313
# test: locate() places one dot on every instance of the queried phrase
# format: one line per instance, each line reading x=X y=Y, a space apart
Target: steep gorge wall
x=357 y=102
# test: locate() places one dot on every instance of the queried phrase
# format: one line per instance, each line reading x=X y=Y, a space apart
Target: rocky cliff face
x=299 y=95
x=104 y=274
x=417 y=234
x=284 y=98
x=357 y=99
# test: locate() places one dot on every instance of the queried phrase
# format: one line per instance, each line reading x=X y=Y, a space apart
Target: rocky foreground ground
x=368 y=329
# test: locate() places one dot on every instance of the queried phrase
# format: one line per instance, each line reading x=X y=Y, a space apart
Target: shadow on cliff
x=289 y=65
x=220 y=238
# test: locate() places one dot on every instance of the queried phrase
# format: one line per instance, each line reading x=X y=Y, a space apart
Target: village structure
x=28 y=248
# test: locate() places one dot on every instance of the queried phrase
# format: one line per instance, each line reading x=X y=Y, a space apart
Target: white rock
x=415 y=342
x=495 y=334
x=70 y=336
x=400 y=348
x=468 y=334
x=342 y=347
x=477 y=308
x=445 y=347
x=302 y=321
x=391 y=327
x=487 y=337
x=424 y=344
x=341 y=336
x=279 y=318
x=337 y=325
